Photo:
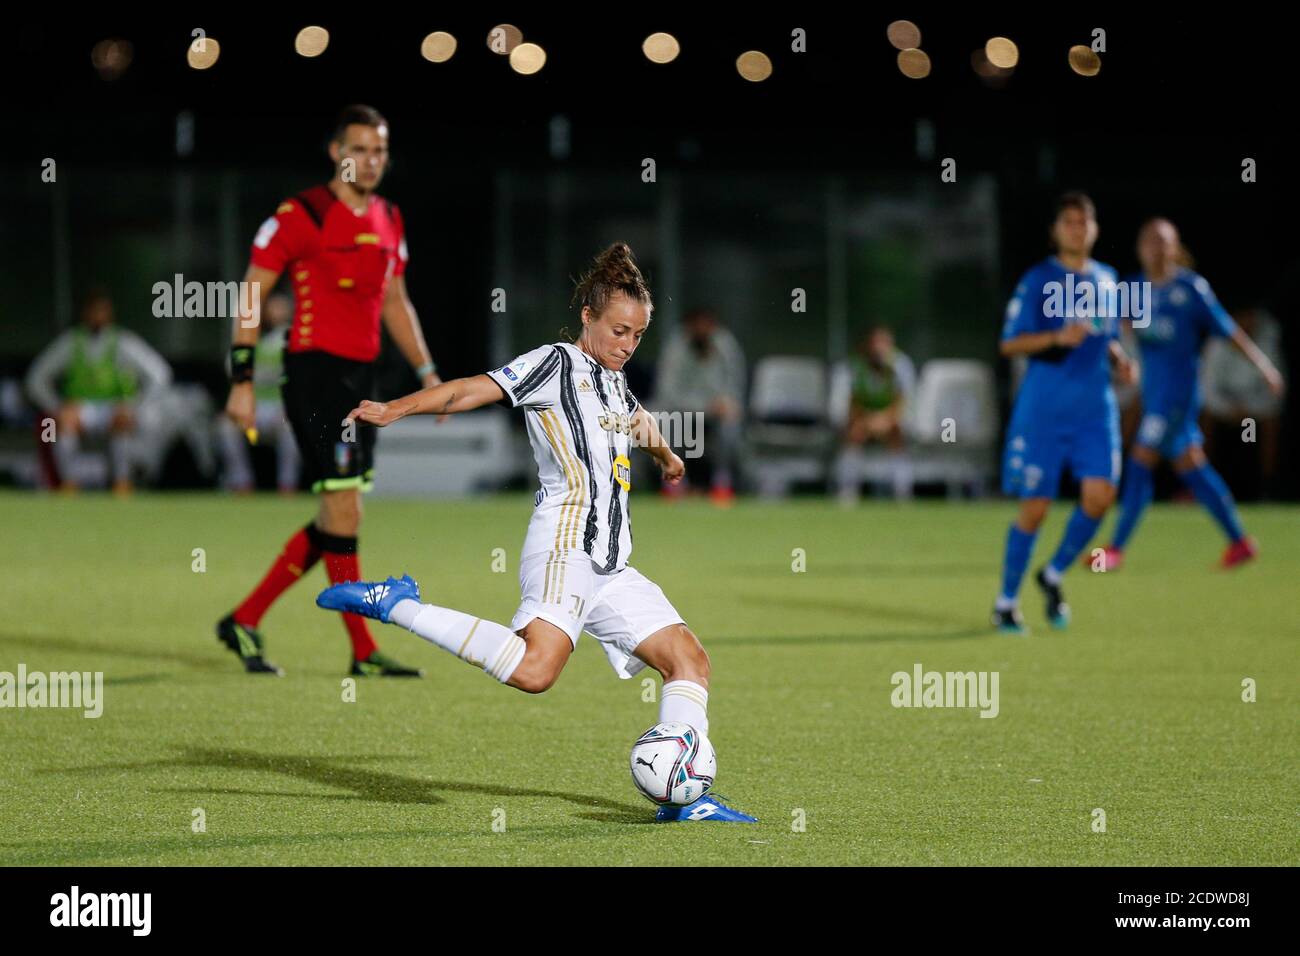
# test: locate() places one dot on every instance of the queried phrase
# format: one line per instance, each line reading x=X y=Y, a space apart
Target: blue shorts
x=1038 y=450
x=1170 y=432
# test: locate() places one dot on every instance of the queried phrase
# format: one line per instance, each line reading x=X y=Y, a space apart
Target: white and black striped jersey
x=579 y=417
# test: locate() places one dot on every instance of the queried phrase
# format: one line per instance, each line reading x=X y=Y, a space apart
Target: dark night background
x=1163 y=129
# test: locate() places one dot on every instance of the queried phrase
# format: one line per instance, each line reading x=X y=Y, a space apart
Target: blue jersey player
x=1063 y=317
x=1184 y=314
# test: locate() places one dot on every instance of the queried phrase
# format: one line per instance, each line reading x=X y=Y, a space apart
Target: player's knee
x=687 y=659
x=1097 y=499
x=340 y=512
x=1190 y=460
x=1032 y=513
x=536 y=673
x=1147 y=457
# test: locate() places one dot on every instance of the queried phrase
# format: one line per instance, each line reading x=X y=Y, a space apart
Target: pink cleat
x=1239 y=552
x=1111 y=559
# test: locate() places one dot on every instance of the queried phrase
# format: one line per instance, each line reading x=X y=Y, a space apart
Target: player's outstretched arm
x=646 y=435
x=1031 y=343
x=445 y=398
x=1267 y=370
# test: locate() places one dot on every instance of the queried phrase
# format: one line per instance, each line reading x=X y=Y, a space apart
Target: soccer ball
x=673 y=763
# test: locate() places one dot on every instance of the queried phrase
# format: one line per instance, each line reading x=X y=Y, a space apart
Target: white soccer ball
x=673 y=763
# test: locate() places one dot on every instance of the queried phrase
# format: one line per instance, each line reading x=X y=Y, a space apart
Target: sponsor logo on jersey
x=623 y=472
x=584 y=385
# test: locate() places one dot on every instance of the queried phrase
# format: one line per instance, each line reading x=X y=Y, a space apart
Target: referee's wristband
x=428 y=368
x=241 y=363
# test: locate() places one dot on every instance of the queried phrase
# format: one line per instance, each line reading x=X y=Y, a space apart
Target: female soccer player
x=1183 y=314
x=1062 y=318
x=582 y=422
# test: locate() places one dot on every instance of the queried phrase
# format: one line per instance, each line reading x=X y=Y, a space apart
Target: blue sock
x=1078 y=533
x=1217 y=499
x=1138 y=489
x=1020 y=544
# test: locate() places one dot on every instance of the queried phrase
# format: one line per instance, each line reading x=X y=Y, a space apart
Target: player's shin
x=486 y=644
x=1078 y=532
x=1138 y=487
x=686 y=702
x=1214 y=496
x=1020 y=545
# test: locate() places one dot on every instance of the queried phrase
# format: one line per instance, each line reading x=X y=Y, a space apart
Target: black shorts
x=319 y=390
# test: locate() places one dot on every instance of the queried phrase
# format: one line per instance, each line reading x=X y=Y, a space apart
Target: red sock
x=347 y=567
x=298 y=556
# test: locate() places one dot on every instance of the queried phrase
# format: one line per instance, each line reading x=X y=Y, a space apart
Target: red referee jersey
x=339 y=262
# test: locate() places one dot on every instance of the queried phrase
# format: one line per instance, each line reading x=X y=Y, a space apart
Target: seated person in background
x=702 y=370
x=93 y=379
x=882 y=379
x=1233 y=389
x=237 y=473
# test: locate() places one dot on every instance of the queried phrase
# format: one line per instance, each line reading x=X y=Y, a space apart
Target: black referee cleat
x=378 y=665
x=247 y=643
x=1058 y=612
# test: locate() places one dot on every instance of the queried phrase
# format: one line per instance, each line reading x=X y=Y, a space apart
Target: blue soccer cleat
x=373 y=599
x=705 y=808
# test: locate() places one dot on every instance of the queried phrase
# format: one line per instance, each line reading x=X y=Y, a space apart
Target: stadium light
x=111 y=58
x=754 y=66
x=1084 y=61
x=661 y=48
x=904 y=35
x=311 y=41
x=202 y=54
x=527 y=58
x=504 y=38
x=1002 y=53
x=914 y=64
x=438 y=47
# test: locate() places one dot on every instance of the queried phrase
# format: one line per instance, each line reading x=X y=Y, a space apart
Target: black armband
x=241 y=363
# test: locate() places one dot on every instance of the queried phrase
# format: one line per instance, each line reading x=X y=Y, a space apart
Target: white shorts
x=620 y=610
x=96 y=417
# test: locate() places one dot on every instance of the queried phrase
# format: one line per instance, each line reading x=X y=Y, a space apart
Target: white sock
x=491 y=646
x=685 y=701
x=1005 y=603
x=1051 y=575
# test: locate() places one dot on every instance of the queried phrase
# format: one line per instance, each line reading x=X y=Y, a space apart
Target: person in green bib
x=881 y=381
x=92 y=379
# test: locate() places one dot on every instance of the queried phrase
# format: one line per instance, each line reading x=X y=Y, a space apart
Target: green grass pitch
x=1136 y=710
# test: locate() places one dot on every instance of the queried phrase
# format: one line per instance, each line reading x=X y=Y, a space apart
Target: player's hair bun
x=614 y=270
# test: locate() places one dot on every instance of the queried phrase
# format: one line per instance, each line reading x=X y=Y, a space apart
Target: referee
x=344 y=248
